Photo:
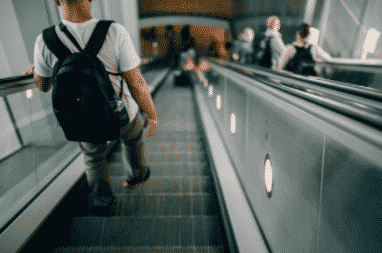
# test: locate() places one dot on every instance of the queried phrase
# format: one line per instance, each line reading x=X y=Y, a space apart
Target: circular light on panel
x=210 y=91
x=218 y=102
x=233 y=123
x=268 y=175
x=29 y=94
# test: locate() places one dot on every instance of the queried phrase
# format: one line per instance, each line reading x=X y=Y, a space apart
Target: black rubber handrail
x=371 y=66
x=357 y=90
x=14 y=84
x=363 y=113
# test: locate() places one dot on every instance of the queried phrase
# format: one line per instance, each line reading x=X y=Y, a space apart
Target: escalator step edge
x=211 y=249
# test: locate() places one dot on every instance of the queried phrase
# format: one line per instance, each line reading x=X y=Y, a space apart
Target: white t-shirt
x=117 y=54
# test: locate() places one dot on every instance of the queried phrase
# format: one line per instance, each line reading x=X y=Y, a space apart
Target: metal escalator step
x=166 y=184
x=174 y=136
x=204 y=249
x=173 y=204
x=174 y=146
x=168 y=156
x=176 y=156
x=174 y=143
x=201 y=168
x=147 y=231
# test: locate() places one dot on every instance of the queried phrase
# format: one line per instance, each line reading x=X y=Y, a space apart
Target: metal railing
x=319 y=157
x=366 y=110
x=21 y=83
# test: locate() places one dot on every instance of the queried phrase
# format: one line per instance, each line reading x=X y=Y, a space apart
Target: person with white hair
x=269 y=46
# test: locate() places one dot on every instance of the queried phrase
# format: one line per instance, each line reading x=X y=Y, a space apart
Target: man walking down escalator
x=116 y=55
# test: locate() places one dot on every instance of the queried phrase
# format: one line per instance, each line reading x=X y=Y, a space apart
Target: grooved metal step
x=203 y=249
x=167 y=204
x=176 y=210
x=187 y=168
x=176 y=156
x=166 y=184
x=146 y=231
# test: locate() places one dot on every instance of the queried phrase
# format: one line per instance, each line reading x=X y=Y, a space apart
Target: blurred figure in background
x=243 y=47
x=235 y=51
x=171 y=48
x=189 y=59
x=269 y=45
x=213 y=50
x=186 y=50
x=300 y=57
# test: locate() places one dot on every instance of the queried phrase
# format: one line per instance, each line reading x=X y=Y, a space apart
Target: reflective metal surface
x=351 y=197
x=286 y=120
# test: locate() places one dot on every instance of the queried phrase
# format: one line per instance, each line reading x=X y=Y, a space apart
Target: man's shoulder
x=290 y=49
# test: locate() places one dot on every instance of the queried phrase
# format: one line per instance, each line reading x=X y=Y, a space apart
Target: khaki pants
x=133 y=153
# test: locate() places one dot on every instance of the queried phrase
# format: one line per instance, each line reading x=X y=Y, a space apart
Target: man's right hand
x=153 y=127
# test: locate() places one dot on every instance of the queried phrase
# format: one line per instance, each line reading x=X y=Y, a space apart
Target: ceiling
x=222 y=9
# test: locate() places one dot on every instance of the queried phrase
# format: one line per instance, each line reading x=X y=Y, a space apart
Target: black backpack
x=302 y=63
x=262 y=51
x=83 y=97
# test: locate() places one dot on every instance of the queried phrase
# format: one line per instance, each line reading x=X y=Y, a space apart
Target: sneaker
x=136 y=181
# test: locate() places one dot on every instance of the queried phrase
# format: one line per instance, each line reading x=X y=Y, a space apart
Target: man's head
x=249 y=34
x=273 y=23
x=75 y=10
x=303 y=33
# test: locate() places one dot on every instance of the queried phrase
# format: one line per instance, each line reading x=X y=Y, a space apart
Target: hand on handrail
x=203 y=66
x=29 y=70
x=188 y=65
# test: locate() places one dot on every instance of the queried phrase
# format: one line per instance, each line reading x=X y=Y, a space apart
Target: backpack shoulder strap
x=98 y=37
x=65 y=30
x=54 y=44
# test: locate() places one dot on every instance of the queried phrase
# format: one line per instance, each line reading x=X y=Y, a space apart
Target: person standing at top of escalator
x=188 y=59
x=268 y=45
x=171 y=50
x=213 y=50
x=243 y=47
x=300 y=57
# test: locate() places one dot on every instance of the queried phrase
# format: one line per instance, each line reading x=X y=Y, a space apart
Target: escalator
x=176 y=209
x=183 y=207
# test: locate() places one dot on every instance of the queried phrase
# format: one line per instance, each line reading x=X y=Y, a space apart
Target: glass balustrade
x=33 y=147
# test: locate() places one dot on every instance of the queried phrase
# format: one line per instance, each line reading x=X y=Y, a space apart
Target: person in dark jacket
x=213 y=50
x=171 y=47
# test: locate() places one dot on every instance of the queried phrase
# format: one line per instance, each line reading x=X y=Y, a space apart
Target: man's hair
x=71 y=2
x=304 y=30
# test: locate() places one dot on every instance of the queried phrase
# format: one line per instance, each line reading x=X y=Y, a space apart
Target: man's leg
x=133 y=147
x=97 y=171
